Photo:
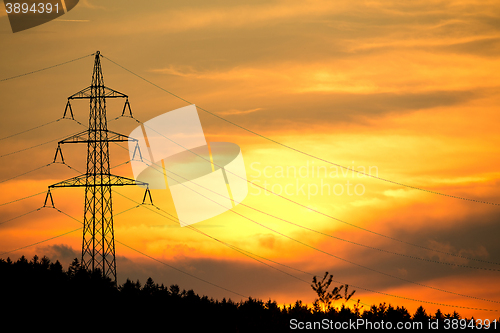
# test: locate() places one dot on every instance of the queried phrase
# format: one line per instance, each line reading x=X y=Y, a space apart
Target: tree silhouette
x=74 y=268
x=420 y=315
x=150 y=287
x=31 y=285
x=325 y=298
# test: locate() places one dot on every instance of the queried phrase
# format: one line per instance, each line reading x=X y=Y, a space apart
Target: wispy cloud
x=238 y=112
x=61 y=20
x=90 y=4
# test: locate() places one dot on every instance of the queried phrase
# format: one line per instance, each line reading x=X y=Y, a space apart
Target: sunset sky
x=405 y=91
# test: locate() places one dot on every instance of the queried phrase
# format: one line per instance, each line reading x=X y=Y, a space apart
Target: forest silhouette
x=39 y=292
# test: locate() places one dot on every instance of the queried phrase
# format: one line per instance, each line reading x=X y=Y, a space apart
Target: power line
x=409 y=281
x=343 y=259
x=51 y=238
x=338 y=238
x=303 y=152
x=34 y=146
x=346 y=260
x=421 y=301
x=174 y=219
x=116 y=166
x=203 y=280
x=350 y=224
x=335 y=237
x=362 y=288
x=309 y=208
x=226 y=244
x=179 y=270
x=302 y=205
x=45 y=240
x=25 y=173
x=349 y=261
x=144 y=254
x=31 y=129
x=334 y=218
x=20 y=199
x=14 y=218
x=428 y=260
x=157 y=260
x=43 y=69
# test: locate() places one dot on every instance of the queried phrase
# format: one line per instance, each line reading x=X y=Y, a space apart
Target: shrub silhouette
x=325 y=299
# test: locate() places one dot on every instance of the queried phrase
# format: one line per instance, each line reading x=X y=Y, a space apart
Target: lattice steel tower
x=98 y=247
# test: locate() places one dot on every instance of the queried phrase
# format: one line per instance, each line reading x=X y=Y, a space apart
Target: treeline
x=37 y=291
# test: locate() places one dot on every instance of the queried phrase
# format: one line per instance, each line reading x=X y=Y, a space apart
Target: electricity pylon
x=98 y=247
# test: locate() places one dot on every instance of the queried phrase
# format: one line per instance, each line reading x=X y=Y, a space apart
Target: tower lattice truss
x=98 y=246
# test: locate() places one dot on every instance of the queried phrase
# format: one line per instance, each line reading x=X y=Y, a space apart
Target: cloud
x=62 y=252
x=238 y=112
x=479 y=252
x=246 y=278
x=236 y=16
x=467 y=236
x=225 y=75
x=90 y=4
x=323 y=109
x=61 y=20
x=484 y=47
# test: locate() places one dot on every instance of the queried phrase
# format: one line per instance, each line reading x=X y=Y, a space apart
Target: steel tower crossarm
x=106 y=92
x=99 y=180
x=83 y=137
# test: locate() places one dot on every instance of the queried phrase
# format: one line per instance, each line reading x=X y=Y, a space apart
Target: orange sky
x=408 y=89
